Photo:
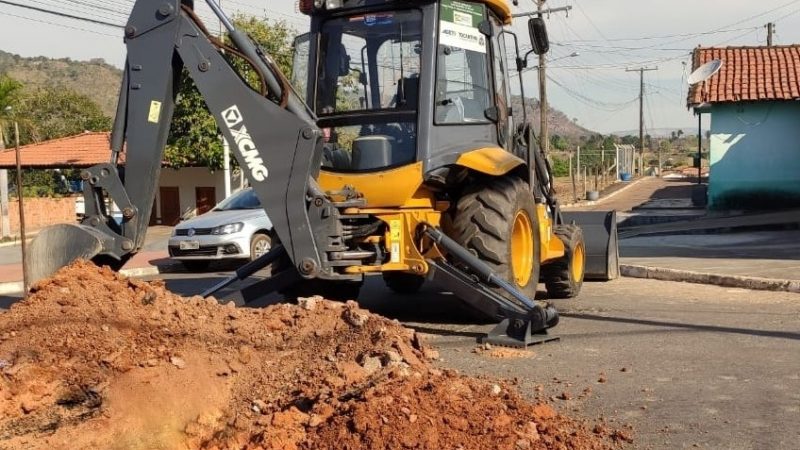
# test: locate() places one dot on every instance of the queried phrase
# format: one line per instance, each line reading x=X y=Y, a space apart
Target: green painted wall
x=755 y=156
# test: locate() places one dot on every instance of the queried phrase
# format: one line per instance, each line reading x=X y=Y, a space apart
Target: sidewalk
x=142 y=264
x=638 y=193
x=153 y=259
x=767 y=260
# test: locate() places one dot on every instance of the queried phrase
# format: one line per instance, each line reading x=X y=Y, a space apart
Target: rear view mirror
x=538 y=32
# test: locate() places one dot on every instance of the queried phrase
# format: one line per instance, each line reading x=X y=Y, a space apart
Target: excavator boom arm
x=274 y=137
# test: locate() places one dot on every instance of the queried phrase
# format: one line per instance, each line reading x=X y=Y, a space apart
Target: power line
x=665 y=36
x=76 y=9
x=71 y=8
x=56 y=24
x=61 y=14
x=99 y=6
x=591 y=22
x=605 y=106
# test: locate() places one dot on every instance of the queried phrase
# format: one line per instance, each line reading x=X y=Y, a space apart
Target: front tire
x=564 y=277
x=496 y=220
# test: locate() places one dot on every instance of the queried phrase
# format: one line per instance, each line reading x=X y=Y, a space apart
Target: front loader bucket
x=600 y=237
x=57 y=246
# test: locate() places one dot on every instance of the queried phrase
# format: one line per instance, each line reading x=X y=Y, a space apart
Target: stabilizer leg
x=517 y=333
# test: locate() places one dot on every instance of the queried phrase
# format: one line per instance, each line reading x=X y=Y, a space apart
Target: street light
x=544 y=138
x=25 y=284
x=571 y=55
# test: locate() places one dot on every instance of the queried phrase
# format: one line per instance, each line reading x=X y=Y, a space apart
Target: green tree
x=609 y=141
x=558 y=142
x=194 y=137
x=10 y=90
x=560 y=166
x=57 y=112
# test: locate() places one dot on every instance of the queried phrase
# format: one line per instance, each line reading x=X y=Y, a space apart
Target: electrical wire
x=60 y=14
x=605 y=106
x=56 y=24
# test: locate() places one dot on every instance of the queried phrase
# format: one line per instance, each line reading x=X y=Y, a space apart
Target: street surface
x=686 y=365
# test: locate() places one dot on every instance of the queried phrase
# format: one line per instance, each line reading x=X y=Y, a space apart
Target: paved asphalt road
x=686 y=365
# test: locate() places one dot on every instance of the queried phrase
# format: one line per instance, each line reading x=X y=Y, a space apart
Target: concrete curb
x=11 y=287
x=141 y=271
x=18 y=242
x=15 y=287
x=687 y=276
x=601 y=200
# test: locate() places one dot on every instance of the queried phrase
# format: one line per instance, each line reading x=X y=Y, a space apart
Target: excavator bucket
x=57 y=246
x=600 y=237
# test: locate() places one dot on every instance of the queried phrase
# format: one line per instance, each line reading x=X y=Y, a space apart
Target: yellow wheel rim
x=578 y=262
x=522 y=249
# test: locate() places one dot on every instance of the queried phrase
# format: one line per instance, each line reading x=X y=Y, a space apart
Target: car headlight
x=228 y=229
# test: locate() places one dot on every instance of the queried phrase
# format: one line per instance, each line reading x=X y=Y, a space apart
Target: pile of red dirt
x=95 y=360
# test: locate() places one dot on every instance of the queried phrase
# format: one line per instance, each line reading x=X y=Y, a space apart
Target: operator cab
x=366 y=88
x=361 y=71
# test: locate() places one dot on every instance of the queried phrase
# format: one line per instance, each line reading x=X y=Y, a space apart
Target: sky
x=593 y=87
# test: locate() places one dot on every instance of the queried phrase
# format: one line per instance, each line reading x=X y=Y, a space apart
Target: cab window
x=462 y=81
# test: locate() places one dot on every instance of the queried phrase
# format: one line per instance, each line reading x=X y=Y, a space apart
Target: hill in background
x=100 y=82
x=95 y=78
x=559 y=123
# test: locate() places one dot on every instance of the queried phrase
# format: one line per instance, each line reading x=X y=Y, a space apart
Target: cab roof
x=501 y=8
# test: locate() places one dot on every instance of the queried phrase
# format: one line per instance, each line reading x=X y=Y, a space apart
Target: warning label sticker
x=468 y=38
x=458 y=26
x=467 y=14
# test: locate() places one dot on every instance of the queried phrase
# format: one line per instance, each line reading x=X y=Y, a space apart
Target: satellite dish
x=705 y=71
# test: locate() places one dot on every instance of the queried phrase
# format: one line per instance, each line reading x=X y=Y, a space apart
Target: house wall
x=755 y=155
x=41 y=212
x=186 y=179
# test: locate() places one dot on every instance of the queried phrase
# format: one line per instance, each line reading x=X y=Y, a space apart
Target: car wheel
x=196 y=266
x=260 y=245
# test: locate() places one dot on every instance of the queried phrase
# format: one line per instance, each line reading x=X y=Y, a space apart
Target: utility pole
x=544 y=136
x=226 y=148
x=770 y=33
x=543 y=122
x=5 y=222
x=25 y=282
x=641 y=71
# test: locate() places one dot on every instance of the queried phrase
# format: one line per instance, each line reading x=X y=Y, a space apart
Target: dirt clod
x=178 y=362
x=89 y=361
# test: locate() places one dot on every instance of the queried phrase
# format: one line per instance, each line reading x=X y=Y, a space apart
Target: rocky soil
x=95 y=360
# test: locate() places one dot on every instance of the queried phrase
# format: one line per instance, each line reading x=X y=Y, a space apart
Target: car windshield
x=245 y=199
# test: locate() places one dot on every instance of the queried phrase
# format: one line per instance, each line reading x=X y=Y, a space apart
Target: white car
x=237 y=228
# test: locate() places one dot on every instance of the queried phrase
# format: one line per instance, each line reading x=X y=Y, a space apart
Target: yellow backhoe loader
x=393 y=151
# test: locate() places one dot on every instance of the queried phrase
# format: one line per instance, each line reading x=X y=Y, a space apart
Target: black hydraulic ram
x=524 y=322
x=248 y=269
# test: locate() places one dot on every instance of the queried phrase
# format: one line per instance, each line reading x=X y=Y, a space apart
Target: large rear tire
x=564 y=277
x=496 y=220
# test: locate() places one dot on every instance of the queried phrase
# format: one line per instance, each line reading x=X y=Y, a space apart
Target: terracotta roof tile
x=82 y=150
x=748 y=74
